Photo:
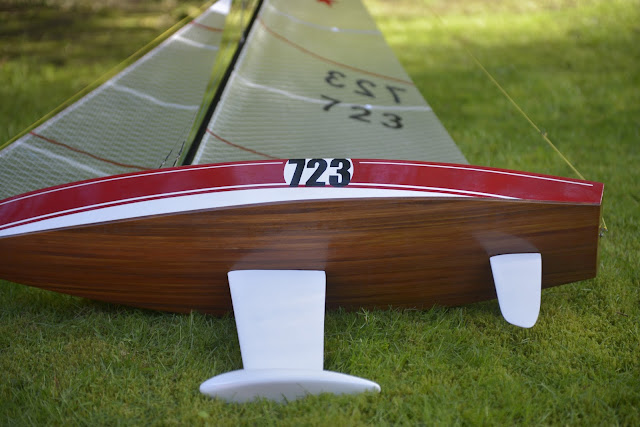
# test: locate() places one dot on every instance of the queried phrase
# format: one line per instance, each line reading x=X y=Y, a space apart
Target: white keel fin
x=280 y=320
x=518 y=281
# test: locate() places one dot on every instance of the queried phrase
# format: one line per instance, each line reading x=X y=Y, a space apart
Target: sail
x=137 y=120
x=317 y=79
x=314 y=79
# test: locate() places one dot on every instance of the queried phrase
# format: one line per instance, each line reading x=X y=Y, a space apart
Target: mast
x=187 y=157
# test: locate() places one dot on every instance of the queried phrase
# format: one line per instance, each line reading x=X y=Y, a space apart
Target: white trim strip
x=190 y=42
x=221 y=7
x=436 y=189
x=206 y=200
x=98 y=90
x=544 y=178
x=150 y=98
x=136 y=199
x=324 y=101
x=51 y=155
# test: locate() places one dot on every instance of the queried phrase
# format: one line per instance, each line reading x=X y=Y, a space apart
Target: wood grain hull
x=377 y=252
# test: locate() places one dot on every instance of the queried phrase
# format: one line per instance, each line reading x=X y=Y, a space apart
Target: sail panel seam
x=150 y=98
x=98 y=90
x=323 y=101
x=206 y=27
x=193 y=43
x=239 y=146
x=86 y=153
x=67 y=160
x=220 y=7
x=322 y=27
x=328 y=60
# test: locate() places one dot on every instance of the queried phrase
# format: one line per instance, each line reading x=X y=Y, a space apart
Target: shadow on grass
x=578 y=92
x=84 y=33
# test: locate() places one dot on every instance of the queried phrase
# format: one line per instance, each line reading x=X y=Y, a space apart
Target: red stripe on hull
x=395 y=175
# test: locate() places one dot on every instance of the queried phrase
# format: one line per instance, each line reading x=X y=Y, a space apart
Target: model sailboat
x=318 y=162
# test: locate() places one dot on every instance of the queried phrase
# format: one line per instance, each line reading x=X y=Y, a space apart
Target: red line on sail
x=239 y=146
x=331 y=61
x=206 y=27
x=77 y=150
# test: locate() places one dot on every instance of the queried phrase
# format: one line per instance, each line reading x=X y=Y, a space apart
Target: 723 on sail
x=318 y=172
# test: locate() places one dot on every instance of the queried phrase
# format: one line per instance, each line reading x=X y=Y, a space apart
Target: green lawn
x=574 y=69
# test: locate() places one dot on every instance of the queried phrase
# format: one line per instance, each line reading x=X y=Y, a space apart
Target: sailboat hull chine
x=386 y=233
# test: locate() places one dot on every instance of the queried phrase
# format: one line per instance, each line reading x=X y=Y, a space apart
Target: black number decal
x=394 y=122
x=394 y=91
x=361 y=113
x=295 y=180
x=332 y=76
x=361 y=116
x=315 y=172
x=362 y=84
x=331 y=104
x=321 y=166
x=345 y=177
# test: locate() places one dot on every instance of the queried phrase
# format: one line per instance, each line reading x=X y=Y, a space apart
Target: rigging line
x=331 y=61
x=86 y=153
x=515 y=104
x=112 y=72
x=524 y=114
x=511 y=100
x=175 y=162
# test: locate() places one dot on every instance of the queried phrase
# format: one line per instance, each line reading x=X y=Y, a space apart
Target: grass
x=572 y=66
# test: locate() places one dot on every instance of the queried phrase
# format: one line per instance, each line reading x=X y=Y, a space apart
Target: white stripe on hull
x=210 y=198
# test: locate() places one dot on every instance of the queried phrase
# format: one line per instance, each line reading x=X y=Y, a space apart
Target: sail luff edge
x=112 y=72
x=194 y=144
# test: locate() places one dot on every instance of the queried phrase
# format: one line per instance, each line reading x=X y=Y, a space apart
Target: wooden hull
x=376 y=251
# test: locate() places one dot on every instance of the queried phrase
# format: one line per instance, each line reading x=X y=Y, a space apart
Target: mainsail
x=317 y=79
x=314 y=79
x=137 y=120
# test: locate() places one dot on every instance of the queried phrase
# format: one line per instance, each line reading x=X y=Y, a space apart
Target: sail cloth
x=137 y=120
x=317 y=79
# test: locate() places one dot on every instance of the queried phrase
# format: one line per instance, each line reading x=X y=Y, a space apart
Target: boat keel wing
x=518 y=281
x=282 y=385
x=280 y=320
